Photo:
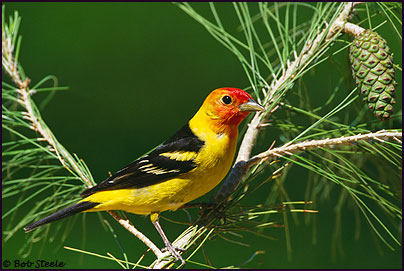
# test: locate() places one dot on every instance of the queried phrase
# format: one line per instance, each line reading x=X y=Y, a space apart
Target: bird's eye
x=227 y=99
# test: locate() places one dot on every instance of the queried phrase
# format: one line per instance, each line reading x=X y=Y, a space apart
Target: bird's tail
x=71 y=210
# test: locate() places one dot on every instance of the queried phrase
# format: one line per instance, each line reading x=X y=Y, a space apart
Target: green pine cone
x=372 y=69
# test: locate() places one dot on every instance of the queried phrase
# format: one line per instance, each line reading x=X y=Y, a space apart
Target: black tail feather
x=71 y=210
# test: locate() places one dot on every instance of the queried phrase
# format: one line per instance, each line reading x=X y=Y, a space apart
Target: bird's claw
x=174 y=252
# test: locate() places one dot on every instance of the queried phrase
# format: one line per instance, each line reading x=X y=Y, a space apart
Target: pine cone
x=372 y=69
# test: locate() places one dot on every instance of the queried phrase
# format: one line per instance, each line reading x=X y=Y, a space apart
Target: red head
x=229 y=106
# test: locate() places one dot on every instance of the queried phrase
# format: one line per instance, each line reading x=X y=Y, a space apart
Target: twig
x=240 y=169
x=380 y=136
x=129 y=226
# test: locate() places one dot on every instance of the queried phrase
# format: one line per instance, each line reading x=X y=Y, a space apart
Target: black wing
x=154 y=168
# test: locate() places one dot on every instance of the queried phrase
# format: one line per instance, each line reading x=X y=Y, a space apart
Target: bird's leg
x=173 y=250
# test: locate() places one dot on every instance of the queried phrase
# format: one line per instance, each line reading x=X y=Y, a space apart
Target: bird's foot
x=174 y=251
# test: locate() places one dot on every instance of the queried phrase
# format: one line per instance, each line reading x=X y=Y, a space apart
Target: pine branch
x=241 y=168
x=330 y=32
x=380 y=136
x=32 y=114
x=9 y=34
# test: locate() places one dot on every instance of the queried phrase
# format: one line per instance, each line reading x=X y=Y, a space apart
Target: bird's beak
x=251 y=106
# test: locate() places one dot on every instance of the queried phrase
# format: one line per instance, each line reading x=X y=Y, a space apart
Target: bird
x=185 y=167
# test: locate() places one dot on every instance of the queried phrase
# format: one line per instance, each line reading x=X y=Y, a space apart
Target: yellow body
x=213 y=161
x=186 y=166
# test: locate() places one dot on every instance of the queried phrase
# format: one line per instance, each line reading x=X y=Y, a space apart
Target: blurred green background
x=136 y=73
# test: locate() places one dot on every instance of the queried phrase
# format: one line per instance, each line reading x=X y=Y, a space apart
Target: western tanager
x=186 y=166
